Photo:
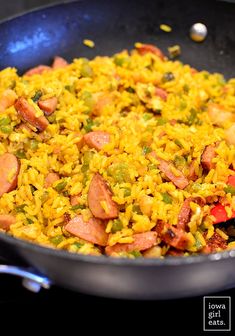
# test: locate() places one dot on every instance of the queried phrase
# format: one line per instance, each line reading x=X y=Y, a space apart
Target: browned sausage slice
x=179 y=180
x=192 y=176
x=214 y=243
x=9 y=170
x=97 y=139
x=184 y=214
x=167 y=168
x=176 y=238
x=92 y=230
x=48 y=106
x=6 y=221
x=100 y=199
x=185 y=211
x=38 y=70
x=207 y=156
x=28 y=113
x=59 y=63
x=7 y=99
x=50 y=179
x=149 y=48
x=142 y=241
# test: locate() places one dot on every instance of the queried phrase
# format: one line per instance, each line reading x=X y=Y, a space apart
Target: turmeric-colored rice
x=156 y=112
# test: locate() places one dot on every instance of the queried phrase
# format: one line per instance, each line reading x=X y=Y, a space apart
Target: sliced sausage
x=48 y=106
x=192 y=176
x=171 y=235
x=7 y=99
x=28 y=113
x=142 y=241
x=214 y=243
x=97 y=139
x=179 y=180
x=207 y=157
x=92 y=230
x=184 y=214
x=67 y=217
x=176 y=238
x=50 y=179
x=9 y=170
x=6 y=221
x=149 y=48
x=59 y=63
x=100 y=199
x=185 y=211
x=38 y=70
x=161 y=93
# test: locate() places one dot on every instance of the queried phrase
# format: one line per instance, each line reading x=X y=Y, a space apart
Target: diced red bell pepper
x=220 y=214
x=231 y=180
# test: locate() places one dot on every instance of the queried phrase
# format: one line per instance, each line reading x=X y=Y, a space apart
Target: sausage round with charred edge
x=142 y=241
x=185 y=211
x=171 y=235
x=97 y=139
x=9 y=170
x=28 y=113
x=100 y=199
x=176 y=238
x=214 y=243
x=92 y=230
x=207 y=157
x=192 y=176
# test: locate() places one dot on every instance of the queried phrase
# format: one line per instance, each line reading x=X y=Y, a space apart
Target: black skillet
x=34 y=38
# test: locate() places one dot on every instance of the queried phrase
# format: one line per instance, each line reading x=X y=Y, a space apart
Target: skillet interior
x=36 y=37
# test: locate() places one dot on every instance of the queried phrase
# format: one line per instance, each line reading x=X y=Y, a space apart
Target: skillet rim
x=143 y=262
x=102 y=259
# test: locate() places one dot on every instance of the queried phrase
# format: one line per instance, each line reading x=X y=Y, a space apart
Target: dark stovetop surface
x=167 y=313
x=171 y=315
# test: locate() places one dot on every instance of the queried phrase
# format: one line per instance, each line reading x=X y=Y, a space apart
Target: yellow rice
x=135 y=125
